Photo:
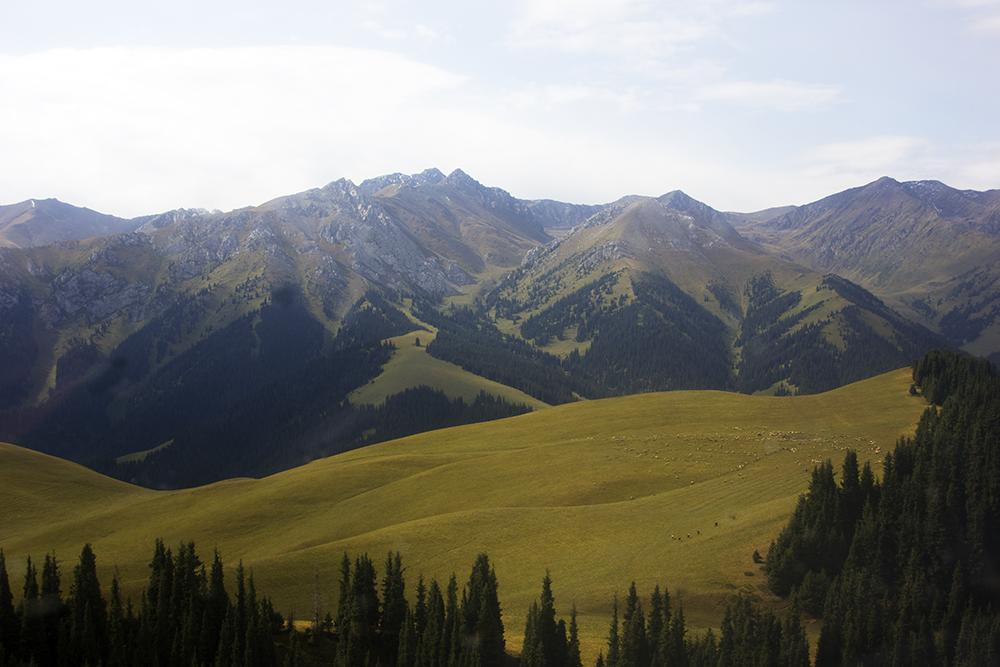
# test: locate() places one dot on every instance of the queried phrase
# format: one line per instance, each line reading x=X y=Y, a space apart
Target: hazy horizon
x=742 y=104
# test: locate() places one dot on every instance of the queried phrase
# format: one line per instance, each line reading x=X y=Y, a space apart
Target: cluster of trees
x=472 y=342
x=185 y=616
x=440 y=629
x=371 y=320
x=749 y=636
x=548 y=641
x=903 y=571
x=662 y=340
x=775 y=345
x=575 y=310
x=422 y=408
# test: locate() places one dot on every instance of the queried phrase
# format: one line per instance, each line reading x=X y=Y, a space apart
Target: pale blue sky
x=133 y=108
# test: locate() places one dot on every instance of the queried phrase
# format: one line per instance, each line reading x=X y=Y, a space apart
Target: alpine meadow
x=662 y=370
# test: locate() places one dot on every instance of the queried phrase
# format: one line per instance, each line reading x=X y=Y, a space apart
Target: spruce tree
x=676 y=653
x=547 y=623
x=481 y=624
x=216 y=604
x=119 y=638
x=431 y=640
x=9 y=625
x=573 y=645
x=614 y=642
x=634 y=647
x=394 y=608
x=344 y=598
x=407 y=648
x=451 y=638
x=88 y=612
x=420 y=607
x=532 y=651
x=224 y=652
x=239 y=618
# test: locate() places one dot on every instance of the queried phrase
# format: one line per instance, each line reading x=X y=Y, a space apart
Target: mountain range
x=261 y=324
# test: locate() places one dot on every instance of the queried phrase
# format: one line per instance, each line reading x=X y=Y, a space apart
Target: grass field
x=677 y=488
x=411 y=366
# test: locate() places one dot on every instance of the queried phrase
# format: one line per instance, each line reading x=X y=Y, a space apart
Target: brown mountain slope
x=929 y=249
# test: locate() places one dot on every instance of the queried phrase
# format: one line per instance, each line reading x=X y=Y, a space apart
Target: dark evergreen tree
x=394 y=608
x=634 y=644
x=431 y=642
x=545 y=637
x=406 y=652
x=451 y=637
x=482 y=625
x=614 y=641
x=420 y=607
x=532 y=651
x=573 y=643
x=903 y=562
x=9 y=626
x=88 y=612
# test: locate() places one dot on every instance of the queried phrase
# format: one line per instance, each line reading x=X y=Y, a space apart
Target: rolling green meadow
x=676 y=488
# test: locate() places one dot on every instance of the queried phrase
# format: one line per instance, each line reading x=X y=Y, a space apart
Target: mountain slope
x=266 y=325
x=664 y=293
x=102 y=340
x=678 y=487
x=38 y=222
x=930 y=250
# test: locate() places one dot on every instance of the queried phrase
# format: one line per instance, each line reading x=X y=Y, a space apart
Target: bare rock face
x=94 y=295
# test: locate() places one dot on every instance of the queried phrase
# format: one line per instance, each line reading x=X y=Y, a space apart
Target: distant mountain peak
x=675 y=195
x=884 y=181
x=432 y=175
x=35 y=222
x=460 y=178
x=681 y=201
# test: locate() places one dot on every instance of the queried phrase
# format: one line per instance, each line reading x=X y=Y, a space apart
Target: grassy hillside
x=411 y=366
x=677 y=488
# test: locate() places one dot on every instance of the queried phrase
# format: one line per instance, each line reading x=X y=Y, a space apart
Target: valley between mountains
x=331 y=319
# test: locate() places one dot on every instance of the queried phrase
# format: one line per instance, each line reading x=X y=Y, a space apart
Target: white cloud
x=849 y=163
x=776 y=95
x=138 y=130
x=878 y=155
x=551 y=97
x=966 y=4
x=634 y=31
x=989 y=24
x=142 y=129
x=662 y=42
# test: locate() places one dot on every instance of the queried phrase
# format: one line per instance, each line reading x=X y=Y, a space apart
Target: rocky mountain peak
x=459 y=178
x=431 y=176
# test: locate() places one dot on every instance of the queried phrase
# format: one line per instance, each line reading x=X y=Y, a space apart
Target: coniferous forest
x=906 y=570
x=189 y=614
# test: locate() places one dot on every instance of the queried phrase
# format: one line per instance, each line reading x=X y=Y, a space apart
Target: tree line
x=904 y=570
x=749 y=636
x=187 y=615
